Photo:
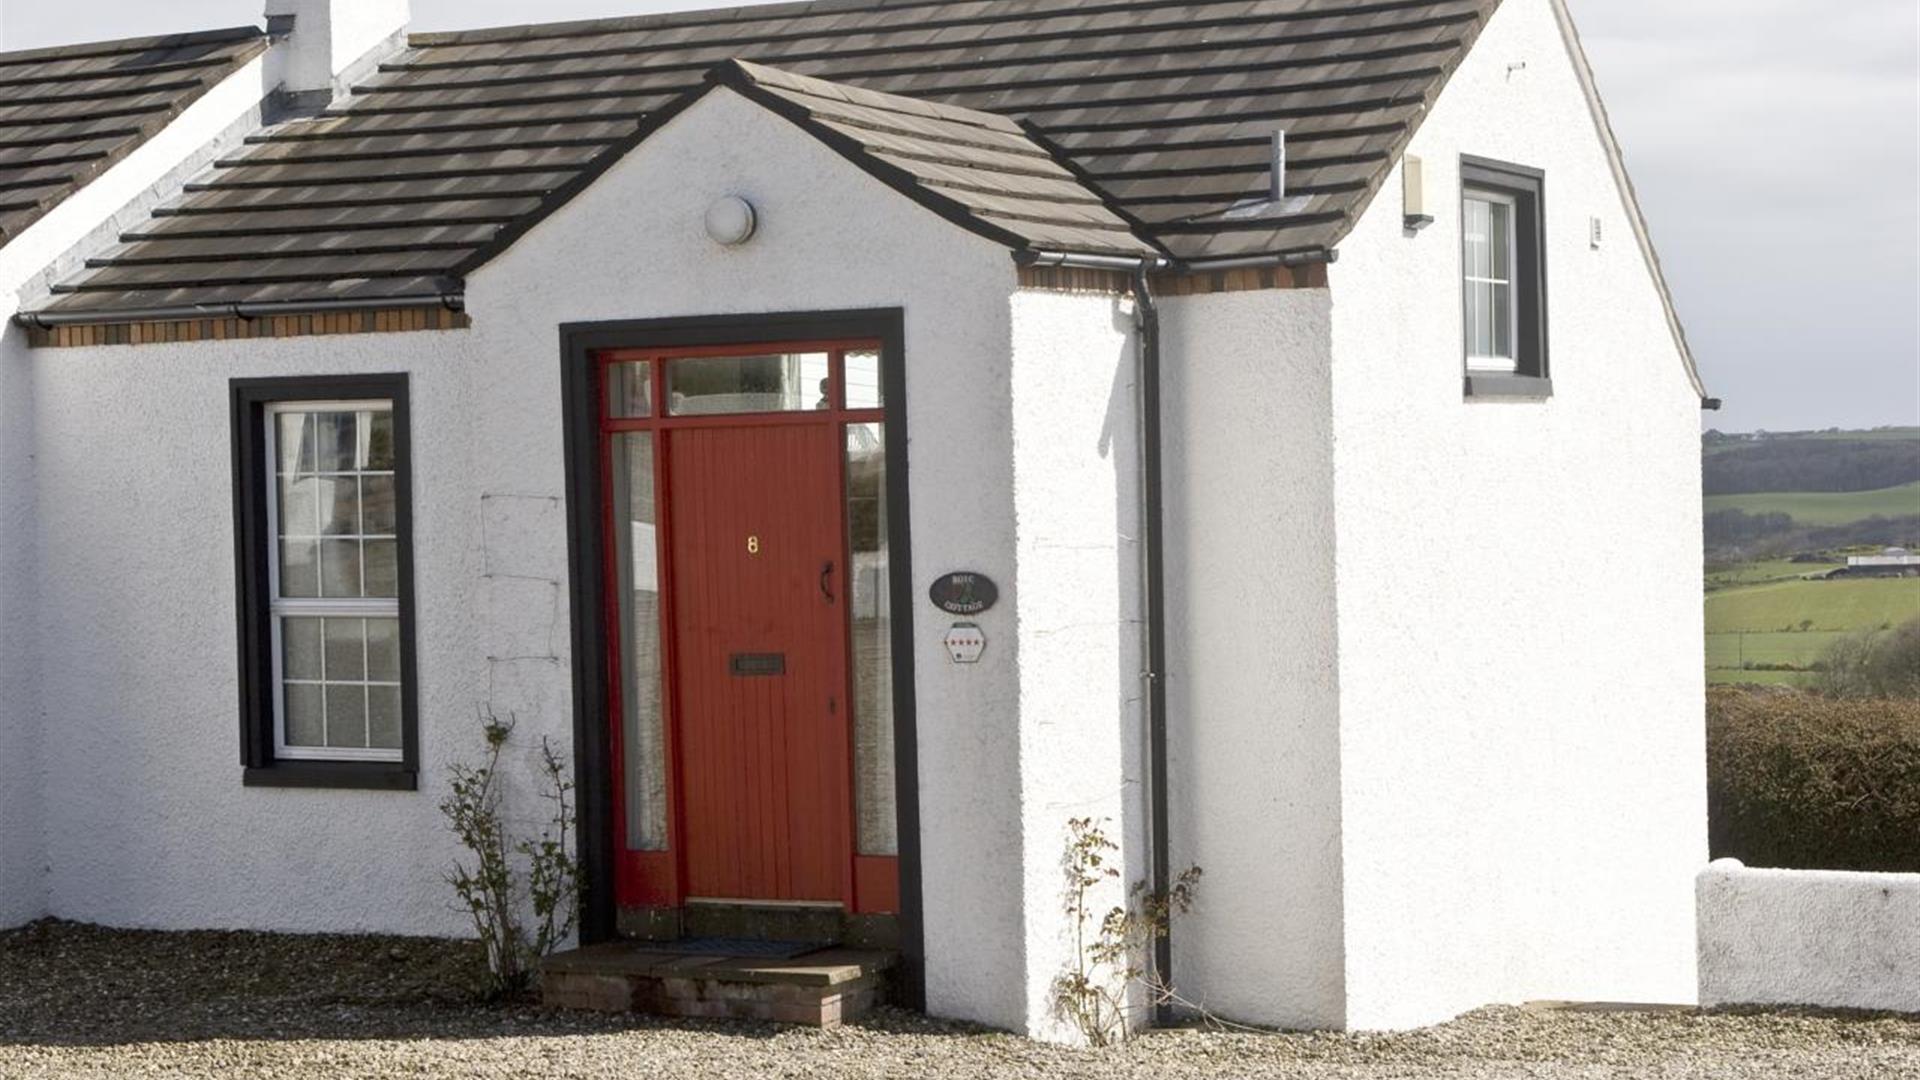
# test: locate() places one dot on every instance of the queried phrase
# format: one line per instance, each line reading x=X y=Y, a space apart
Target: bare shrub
x=506 y=877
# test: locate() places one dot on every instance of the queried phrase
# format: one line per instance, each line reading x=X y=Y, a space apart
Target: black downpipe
x=1147 y=316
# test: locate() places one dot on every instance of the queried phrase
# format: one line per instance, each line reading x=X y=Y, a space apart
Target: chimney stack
x=326 y=44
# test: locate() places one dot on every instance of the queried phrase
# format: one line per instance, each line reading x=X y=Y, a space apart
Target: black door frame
x=585 y=538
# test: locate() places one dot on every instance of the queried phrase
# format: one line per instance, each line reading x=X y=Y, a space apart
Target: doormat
x=738 y=947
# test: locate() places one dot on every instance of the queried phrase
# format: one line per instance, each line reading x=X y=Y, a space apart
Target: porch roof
x=1157 y=118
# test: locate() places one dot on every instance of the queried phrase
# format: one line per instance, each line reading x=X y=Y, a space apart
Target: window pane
x=346 y=650
x=861 y=373
x=336 y=441
x=642 y=738
x=383 y=568
x=872 y=607
x=298 y=510
x=293 y=441
x=1475 y=345
x=300 y=568
x=300 y=648
x=383 y=717
x=1502 y=319
x=378 y=516
x=629 y=390
x=1475 y=229
x=339 y=505
x=1499 y=242
x=383 y=650
x=305 y=722
x=795 y=382
x=379 y=440
x=347 y=716
x=340 y=568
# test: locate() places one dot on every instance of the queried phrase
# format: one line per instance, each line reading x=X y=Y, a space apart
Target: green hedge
x=1807 y=782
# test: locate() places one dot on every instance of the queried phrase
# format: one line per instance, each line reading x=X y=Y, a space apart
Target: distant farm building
x=1893 y=562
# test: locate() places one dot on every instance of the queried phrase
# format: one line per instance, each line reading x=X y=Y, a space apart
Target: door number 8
x=753 y=545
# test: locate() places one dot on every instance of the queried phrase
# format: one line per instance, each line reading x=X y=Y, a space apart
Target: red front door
x=747 y=560
x=759 y=640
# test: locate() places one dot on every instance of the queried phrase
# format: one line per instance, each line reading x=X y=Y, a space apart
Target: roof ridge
x=83 y=50
x=730 y=16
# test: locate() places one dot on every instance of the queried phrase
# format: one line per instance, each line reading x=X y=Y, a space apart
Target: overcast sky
x=1773 y=143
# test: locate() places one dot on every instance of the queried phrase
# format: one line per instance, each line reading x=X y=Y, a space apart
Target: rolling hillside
x=1785 y=510
x=1825 y=507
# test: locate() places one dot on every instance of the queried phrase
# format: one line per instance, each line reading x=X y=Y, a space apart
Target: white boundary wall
x=1809 y=937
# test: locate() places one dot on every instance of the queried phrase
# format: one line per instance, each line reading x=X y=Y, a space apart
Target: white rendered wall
x=82 y=224
x=1521 y=734
x=1252 y=694
x=22 y=836
x=137 y=537
x=1076 y=506
x=1809 y=937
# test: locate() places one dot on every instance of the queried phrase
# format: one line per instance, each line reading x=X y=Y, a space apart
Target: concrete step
x=820 y=989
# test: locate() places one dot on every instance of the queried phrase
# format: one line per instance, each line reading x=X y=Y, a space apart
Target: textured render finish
x=1809 y=937
x=142 y=689
x=83 y=222
x=1522 y=746
x=1077 y=507
x=1252 y=694
x=22 y=836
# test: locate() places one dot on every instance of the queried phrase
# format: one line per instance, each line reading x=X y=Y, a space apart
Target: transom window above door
x=719 y=384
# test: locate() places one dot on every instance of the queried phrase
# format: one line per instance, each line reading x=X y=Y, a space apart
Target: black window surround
x=1526 y=187
x=253 y=547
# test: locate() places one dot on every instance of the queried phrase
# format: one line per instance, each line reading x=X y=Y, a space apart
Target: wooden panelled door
x=748 y=613
x=759 y=645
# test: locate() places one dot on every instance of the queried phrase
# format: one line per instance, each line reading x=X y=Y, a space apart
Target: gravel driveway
x=79 y=1001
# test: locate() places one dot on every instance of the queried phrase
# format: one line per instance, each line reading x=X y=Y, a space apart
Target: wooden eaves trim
x=371 y=321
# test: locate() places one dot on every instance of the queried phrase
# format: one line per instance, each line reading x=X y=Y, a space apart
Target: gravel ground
x=80 y=1001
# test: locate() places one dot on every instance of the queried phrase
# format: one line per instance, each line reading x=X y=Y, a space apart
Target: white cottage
x=865 y=436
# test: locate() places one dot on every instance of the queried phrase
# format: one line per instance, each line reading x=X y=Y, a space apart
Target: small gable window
x=1503 y=277
x=321 y=469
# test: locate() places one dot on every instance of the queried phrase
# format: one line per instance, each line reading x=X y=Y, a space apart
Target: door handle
x=826 y=581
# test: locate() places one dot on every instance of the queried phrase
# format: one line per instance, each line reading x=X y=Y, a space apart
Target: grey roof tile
x=67 y=114
x=1101 y=126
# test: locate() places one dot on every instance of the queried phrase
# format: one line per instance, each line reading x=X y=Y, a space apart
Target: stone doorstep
x=820 y=989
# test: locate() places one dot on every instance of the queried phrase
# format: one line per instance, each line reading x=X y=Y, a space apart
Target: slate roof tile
x=1099 y=126
x=67 y=114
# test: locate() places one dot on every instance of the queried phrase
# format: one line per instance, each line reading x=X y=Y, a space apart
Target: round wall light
x=731 y=220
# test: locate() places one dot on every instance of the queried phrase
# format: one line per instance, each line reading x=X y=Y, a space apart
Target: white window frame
x=280 y=608
x=1508 y=364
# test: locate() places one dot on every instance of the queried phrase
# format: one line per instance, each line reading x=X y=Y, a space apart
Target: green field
x=1825 y=508
x=1760 y=573
x=1857 y=604
x=1759 y=624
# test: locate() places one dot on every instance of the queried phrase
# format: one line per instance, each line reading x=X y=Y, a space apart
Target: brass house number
x=753 y=545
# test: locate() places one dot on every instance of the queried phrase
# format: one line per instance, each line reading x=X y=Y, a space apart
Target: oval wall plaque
x=964 y=593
